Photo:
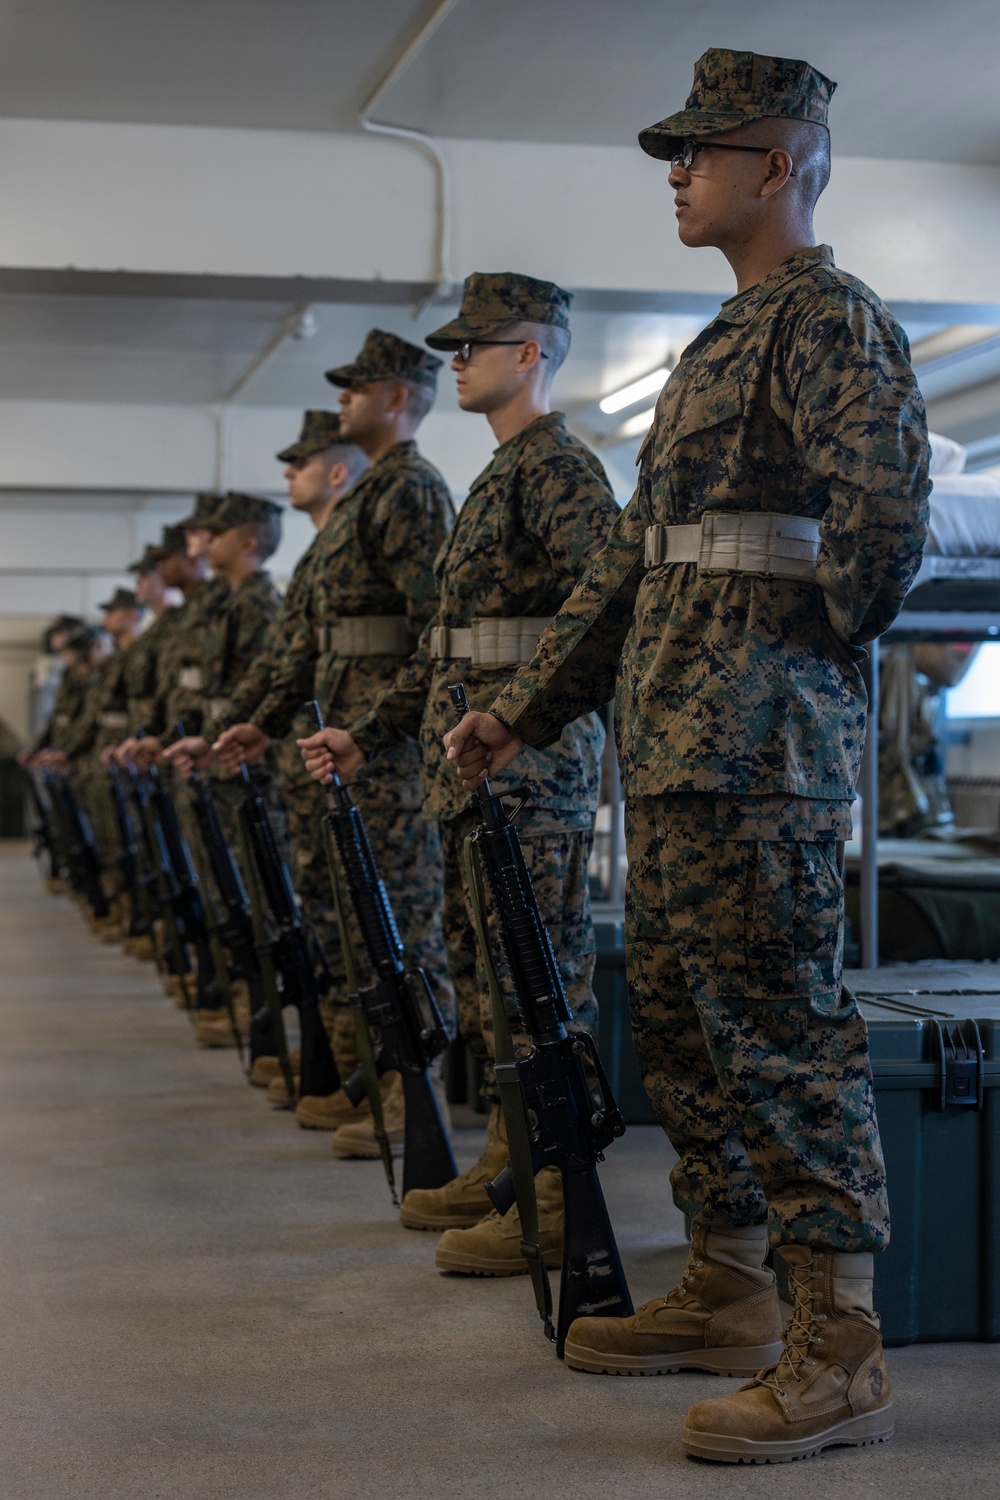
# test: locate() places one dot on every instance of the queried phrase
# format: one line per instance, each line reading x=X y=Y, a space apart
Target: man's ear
x=529 y=355
x=398 y=400
x=779 y=171
x=337 y=476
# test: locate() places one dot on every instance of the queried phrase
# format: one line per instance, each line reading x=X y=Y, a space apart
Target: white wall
x=286 y=203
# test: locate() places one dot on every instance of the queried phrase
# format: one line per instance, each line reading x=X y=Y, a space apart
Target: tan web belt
x=366 y=635
x=490 y=642
x=191 y=677
x=114 y=719
x=743 y=542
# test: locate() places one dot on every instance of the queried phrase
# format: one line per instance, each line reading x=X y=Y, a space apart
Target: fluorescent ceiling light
x=649 y=385
x=638 y=424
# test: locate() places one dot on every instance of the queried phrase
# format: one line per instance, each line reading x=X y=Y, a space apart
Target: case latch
x=960 y=1054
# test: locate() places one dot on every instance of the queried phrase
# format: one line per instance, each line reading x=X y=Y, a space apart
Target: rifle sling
x=511 y=1098
x=366 y=1051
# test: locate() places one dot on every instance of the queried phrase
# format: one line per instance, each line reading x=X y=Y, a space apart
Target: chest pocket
x=701 y=410
x=481 y=533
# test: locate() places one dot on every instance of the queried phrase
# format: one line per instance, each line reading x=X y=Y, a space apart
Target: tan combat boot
x=357 y=1140
x=462 y=1202
x=212 y=1028
x=493 y=1246
x=830 y=1385
x=277 y=1090
x=331 y=1111
x=266 y=1069
x=141 y=947
x=723 y=1316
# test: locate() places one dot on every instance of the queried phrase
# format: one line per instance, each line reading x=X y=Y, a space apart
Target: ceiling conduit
x=443 y=276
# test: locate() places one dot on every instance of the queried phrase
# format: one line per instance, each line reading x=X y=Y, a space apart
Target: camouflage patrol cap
x=320 y=429
x=120 y=599
x=237 y=509
x=384 y=356
x=81 y=640
x=171 y=541
x=492 y=300
x=147 y=562
x=734 y=88
x=206 y=503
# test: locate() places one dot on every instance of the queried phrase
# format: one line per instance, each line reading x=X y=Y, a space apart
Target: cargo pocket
x=779 y=935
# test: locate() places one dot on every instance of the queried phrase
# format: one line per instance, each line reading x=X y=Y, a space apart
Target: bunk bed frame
x=953 y=599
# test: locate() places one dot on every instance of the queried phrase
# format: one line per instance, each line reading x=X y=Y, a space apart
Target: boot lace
x=802 y=1333
x=684 y=1289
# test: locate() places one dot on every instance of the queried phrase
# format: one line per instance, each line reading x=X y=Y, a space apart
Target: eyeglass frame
x=463 y=352
x=691 y=148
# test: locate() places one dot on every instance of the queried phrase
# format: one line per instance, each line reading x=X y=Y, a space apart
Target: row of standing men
x=778 y=521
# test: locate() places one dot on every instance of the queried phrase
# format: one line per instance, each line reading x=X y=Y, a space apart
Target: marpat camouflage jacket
x=797 y=399
x=531 y=521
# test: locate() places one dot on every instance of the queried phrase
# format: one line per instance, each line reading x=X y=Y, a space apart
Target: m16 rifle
x=180 y=897
x=233 y=927
x=140 y=923
x=552 y=1115
x=45 y=831
x=292 y=962
x=399 y=1007
x=84 y=860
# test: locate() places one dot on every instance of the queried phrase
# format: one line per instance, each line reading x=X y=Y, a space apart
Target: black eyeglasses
x=686 y=155
x=464 y=351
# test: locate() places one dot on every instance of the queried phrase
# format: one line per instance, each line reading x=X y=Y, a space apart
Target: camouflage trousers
x=557 y=863
x=408 y=852
x=754 y=1057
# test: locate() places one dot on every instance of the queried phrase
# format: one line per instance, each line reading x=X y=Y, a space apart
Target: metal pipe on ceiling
x=443 y=275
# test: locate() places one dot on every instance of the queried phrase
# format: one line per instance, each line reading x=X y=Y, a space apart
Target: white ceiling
x=916 y=77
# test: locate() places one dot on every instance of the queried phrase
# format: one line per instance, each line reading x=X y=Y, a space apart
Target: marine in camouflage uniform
x=734 y=630
x=369 y=595
x=531 y=519
x=540 y=508
x=305 y=801
x=181 y=678
x=100 y=724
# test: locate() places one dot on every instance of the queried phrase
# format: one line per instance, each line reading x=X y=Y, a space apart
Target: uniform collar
x=510 y=451
x=391 y=456
x=741 y=308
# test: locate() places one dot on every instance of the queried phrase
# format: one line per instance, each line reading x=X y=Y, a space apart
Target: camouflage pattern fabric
x=320 y=430
x=140 y=670
x=522 y=539
x=238 y=509
x=797 y=399
x=557 y=862
x=754 y=1057
x=184 y=647
x=235 y=635
x=732 y=89
x=374 y=557
x=492 y=301
x=384 y=356
x=68 y=702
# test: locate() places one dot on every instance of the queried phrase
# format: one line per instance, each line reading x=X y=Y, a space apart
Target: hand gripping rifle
x=399 y=1008
x=551 y=1113
x=84 y=860
x=291 y=957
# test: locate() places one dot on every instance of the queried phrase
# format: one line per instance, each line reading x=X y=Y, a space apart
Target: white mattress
x=965 y=516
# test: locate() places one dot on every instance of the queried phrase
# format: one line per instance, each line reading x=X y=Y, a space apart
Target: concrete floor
x=200 y=1302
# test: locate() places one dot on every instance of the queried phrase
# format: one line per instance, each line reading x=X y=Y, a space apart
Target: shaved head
x=807 y=143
